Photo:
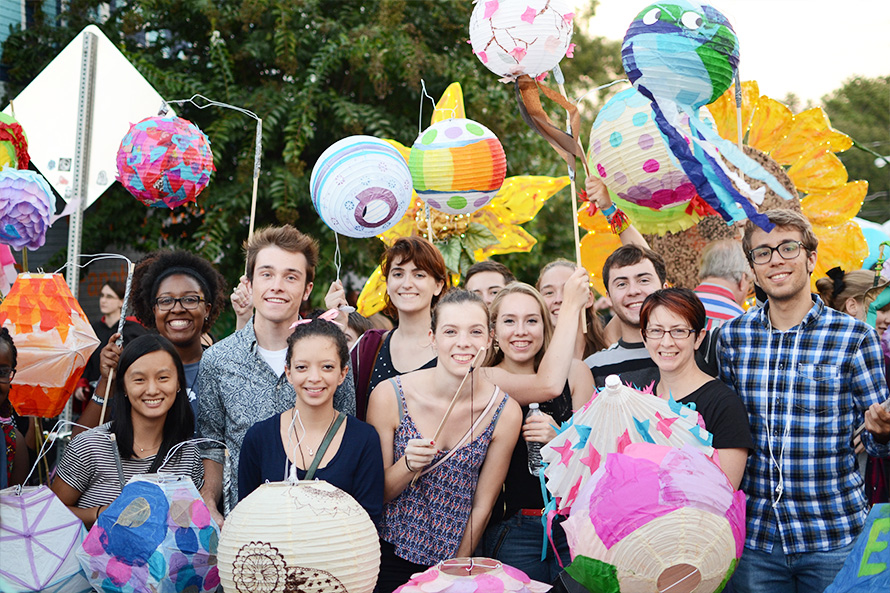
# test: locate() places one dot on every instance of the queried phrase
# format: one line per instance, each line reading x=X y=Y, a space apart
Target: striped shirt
x=628 y=360
x=806 y=390
x=89 y=467
x=720 y=305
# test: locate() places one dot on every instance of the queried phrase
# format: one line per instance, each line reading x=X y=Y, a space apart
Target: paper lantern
x=360 y=186
x=302 y=536
x=13 y=144
x=457 y=166
x=165 y=161
x=54 y=340
x=516 y=37
x=39 y=536
x=26 y=208
x=867 y=568
x=156 y=536
x=683 y=55
x=7 y=270
x=616 y=417
x=656 y=518
x=472 y=575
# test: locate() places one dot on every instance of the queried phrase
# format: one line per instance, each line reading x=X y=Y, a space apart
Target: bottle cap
x=533 y=406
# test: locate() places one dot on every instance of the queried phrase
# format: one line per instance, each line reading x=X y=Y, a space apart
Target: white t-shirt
x=275 y=358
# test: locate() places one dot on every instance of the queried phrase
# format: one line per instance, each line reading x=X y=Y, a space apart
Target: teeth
x=179 y=323
x=276 y=300
x=463 y=357
x=151 y=402
x=520 y=344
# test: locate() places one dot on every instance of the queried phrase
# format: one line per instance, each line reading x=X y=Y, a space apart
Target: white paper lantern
x=516 y=37
x=361 y=186
x=303 y=536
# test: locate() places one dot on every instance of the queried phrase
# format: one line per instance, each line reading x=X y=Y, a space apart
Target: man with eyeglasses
x=807 y=375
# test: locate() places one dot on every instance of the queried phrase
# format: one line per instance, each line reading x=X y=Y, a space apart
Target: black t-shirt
x=724 y=415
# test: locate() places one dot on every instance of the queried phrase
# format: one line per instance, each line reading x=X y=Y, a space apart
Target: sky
x=805 y=47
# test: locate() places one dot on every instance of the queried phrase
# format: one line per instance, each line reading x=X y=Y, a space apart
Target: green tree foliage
x=315 y=71
x=860 y=108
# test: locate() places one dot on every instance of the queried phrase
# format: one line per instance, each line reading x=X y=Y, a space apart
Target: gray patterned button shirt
x=237 y=389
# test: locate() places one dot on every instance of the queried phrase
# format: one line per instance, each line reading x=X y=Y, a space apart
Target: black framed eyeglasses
x=188 y=302
x=787 y=250
x=678 y=333
x=6 y=374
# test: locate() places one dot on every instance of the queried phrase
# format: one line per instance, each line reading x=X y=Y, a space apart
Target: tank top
x=425 y=523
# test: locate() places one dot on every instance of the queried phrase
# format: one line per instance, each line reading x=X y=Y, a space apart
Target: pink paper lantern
x=26 y=208
x=472 y=575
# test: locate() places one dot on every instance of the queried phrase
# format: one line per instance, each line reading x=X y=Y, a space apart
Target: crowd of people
x=781 y=387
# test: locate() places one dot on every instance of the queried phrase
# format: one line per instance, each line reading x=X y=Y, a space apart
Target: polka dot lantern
x=516 y=37
x=628 y=152
x=457 y=165
x=360 y=186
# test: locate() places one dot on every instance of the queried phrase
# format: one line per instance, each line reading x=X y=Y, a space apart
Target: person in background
x=180 y=296
x=724 y=281
x=416 y=276
x=111 y=300
x=152 y=415
x=443 y=515
x=316 y=365
x=14 y=452
x=845 y=291
x=357 y=324
x=808 y=376
x=673 y=325
x=487 y=278
x=551 y=285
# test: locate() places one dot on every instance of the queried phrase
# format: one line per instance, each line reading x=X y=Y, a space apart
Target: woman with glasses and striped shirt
x=672 y=321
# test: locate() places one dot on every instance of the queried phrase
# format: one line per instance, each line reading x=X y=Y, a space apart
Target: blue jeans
x=810 y=572
x=517 y=541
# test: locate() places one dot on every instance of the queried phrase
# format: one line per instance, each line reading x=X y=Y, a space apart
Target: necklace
x=309 y=449
x=142 y=449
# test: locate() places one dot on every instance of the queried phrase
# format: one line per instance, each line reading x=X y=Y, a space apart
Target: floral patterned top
x=425 y=523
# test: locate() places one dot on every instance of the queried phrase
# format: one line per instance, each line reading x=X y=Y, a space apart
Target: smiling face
x=151 y=384
x=315 y=371
x=486 y=284
x=279 y=284
x=461 y=330
x=5 y=363
x=628 y=288
x=410 y=288
x=882 y=321
x=109 y=303
x=783 y=279
x=551 y=285
x=519 y=328
x=670 y=354
x=181 y=326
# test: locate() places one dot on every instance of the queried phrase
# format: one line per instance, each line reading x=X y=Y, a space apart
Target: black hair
x=5 y=336
x=117 y=287
x=319 y=327
x=159 y=265
x=179 y=425
x=458 y=296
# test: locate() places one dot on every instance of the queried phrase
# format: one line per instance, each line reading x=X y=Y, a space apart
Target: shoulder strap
x=323 y=447
x=117 y=460
x=468 y=434
x=364 y=357
x=400 y=393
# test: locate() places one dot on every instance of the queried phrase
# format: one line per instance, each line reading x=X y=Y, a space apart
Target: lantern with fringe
x=26 y=208
x=457 y=166
x=656 y=518
x=165 y=161
x=54 y=340
x=360 y=186
x=308 y=536
x=13 y=144
x=472 y=575
x=157 y=537
x=516 y=37
x=39 y=536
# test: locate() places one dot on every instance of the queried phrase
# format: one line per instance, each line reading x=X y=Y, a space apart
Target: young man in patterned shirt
x=241 y=380
x=808 y=376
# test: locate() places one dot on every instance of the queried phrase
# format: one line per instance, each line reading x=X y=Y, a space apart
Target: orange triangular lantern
x=54 y=341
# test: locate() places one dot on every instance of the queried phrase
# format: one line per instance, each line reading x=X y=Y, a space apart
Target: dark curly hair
x=319 y=327
x=159 y=265
x=5 y=336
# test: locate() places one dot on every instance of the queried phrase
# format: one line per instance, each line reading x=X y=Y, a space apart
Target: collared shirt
x=720 y=304
x=806 y=391
x=238 y=389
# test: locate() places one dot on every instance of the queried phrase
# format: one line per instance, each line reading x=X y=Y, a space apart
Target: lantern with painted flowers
x=360 y=186
x=54 y=340
x=516 y=37
x=457 y=165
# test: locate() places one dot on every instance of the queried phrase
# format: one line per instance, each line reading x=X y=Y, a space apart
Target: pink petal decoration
x=529 y=15
x=565 y=452
x=490 y=8
x=593 y=459
x=623 y=441
x=542 y=76
x=488 y=584
x=518 y=53
x=567 y=17
x=736 y=517
x=483 y=56
x=664 y=424
x=570 y=53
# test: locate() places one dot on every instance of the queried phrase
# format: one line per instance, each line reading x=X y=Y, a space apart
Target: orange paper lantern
x=54 y=341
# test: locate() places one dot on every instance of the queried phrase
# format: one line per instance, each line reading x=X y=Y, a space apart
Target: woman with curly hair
x=179 y=295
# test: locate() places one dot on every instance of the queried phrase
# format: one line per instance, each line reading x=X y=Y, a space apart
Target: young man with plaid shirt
x=808 y=376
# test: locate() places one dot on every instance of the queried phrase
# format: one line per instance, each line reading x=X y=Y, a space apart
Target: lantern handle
x=197 y=441
x=51 y=438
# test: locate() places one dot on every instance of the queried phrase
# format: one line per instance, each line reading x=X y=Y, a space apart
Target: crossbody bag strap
x=328 y=437
x=117 y=460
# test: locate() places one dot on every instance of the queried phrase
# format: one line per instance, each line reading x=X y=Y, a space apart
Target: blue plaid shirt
x=806 y=390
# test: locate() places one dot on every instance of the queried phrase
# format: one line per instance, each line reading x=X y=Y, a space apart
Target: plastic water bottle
x=535 y=463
